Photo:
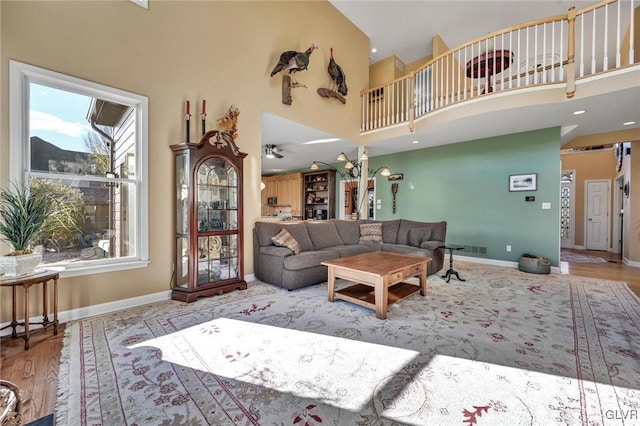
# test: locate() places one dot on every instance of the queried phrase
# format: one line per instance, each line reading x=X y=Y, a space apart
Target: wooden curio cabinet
x=208 y=217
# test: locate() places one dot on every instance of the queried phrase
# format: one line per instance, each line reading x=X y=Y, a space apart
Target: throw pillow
x=285 y=239
x=370 y=233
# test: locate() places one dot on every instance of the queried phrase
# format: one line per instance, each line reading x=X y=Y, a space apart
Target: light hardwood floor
x=35 y=371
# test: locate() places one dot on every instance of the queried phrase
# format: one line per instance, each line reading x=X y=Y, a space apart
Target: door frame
x=586 y=211
x=618 y=205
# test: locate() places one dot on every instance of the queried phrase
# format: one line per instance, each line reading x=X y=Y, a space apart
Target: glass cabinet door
x=217 y=205
x=182 y=220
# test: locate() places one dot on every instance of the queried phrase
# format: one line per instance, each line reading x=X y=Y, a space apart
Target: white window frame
x=21 y=75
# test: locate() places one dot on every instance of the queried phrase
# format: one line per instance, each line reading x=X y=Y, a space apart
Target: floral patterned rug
x=503 y=348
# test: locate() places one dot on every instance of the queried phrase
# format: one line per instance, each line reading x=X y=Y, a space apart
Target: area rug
x=503 y=348
x=569 y=256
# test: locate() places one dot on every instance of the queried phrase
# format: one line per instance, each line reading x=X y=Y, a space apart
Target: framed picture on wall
x=347 y=195
x=526 y=182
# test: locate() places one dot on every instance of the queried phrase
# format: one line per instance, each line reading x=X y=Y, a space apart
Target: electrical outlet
x=508 y=248
x=546 y=206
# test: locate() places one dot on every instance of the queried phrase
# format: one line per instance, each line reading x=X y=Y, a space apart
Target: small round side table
x=451 y=272
x=39 y=277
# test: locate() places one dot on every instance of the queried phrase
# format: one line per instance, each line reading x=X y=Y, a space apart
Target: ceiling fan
x=270 y=151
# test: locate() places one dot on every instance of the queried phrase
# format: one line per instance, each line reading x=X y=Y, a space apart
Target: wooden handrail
x=595 y=6
x=445 y=79
x=490 y=36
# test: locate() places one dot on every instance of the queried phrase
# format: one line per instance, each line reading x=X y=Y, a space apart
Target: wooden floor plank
x=35 y=372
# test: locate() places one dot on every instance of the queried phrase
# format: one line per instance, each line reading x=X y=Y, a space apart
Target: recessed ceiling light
x=628 y=123
x=415 y=142
x=579 y=112
x=374 y=50
x=321 y=141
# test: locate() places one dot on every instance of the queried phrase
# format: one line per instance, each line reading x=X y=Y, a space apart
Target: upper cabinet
x=282 y=194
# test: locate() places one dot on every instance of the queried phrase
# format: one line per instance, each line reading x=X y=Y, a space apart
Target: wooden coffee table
x=383 y=271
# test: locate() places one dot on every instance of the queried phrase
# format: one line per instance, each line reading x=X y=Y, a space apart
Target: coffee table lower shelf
x=364 y=295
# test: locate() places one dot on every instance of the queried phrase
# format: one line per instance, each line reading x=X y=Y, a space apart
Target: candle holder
x=188 y=117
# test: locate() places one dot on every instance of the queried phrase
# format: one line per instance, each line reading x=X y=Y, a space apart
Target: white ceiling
x=406 y=29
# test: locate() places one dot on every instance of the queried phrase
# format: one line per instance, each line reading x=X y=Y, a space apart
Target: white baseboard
x=495 y=262
x=633 y=263
x=104 y=308
x=579 y=247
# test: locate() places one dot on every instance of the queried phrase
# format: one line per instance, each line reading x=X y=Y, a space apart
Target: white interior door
x=597 y=210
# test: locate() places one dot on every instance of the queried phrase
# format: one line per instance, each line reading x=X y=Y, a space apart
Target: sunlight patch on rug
x=303 y=364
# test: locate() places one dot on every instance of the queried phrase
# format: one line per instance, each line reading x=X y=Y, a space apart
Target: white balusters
x=537 y=53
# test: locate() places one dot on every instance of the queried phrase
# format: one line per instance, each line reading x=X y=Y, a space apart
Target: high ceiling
x=406 y=29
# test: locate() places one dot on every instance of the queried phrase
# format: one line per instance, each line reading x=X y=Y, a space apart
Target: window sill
x=102 y=269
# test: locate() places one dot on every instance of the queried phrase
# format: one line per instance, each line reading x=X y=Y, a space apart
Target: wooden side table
x=39 y=277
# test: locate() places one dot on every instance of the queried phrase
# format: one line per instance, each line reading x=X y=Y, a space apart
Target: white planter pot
x=16 y=266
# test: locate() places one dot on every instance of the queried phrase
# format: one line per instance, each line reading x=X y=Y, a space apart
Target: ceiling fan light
x=314 y=166
x=269 y=152
x=385 y=171
x=342 y=157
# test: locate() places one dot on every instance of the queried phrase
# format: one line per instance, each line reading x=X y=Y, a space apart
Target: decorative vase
x=17 y=266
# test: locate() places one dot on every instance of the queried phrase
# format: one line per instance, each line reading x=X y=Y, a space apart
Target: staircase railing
x=559 y=49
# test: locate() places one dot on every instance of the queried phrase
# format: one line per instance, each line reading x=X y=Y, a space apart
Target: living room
x=223 y=52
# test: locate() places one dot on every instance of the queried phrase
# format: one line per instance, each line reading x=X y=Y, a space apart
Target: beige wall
x=219 y=51
x=385 y=71
x=588 y=165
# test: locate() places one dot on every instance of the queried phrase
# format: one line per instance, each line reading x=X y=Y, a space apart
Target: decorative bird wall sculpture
x=337 y=75
x=294 y=61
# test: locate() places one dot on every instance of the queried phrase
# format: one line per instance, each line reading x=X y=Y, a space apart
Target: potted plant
x=23 y=215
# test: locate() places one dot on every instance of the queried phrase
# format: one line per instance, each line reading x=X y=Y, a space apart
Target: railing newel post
x=571 y=52
x=412 y=114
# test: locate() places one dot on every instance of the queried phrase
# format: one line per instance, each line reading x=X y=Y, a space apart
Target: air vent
x=470 y=250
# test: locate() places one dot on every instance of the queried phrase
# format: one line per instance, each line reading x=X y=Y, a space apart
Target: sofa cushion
x=389 y=230
x=439 y=231
x=431 y=245
x=370 y=233
x=308 y=259
x=266 y=230
x=284 y=239
x=405 y=226
x=418 y=235
x=353 y=249
x=323 y=234
x=404 y=249
x=349 y=230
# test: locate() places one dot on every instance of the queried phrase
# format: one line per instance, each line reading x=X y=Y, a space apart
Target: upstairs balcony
x=558 y=52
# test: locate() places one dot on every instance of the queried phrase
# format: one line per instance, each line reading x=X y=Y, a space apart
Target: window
x=87 y=144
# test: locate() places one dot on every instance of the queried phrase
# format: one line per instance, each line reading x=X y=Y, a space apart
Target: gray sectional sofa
x=325 y=240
